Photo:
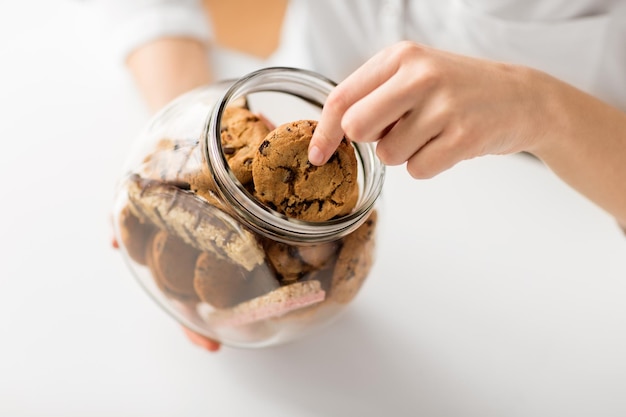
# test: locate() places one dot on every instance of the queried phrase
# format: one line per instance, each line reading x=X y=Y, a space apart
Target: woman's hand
x=201 y=341
x=430 y=109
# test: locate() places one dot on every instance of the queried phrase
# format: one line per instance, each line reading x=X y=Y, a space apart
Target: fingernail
x=316 y=157
x=212 y=346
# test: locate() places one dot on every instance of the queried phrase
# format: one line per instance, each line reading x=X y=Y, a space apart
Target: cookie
x=223 y=284
x=189 y=217
x=354 y=262
x=171 y=262
x=241 y=133
x=292 y=262
x=180 y=163
x=286 y=181
x=318 y=255
x=277 y=303
x=135 y=234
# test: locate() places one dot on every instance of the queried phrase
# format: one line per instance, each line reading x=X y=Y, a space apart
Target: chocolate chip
x=263 y=147
x=228 y=150
x=293 y=251
x=289 y=176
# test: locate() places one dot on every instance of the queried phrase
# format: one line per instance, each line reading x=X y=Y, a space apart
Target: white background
x=497 y=291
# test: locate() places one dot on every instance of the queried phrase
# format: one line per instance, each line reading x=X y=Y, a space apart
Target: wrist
x=550 y=120
x=582 y=140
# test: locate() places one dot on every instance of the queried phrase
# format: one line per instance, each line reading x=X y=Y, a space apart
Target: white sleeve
x=128 y=24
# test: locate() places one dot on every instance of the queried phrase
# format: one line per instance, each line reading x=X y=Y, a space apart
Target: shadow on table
x=353 y=367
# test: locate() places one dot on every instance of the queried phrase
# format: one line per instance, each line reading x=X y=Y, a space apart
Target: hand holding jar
x=231 y=229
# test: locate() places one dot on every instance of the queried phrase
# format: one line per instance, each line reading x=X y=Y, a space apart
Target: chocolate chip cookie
x=189 y=217
x=294 y=262
x=171 y=262
x=223 y=284
x=286 y=181
x=241 y=132
x=354 y=262
x=135 y=234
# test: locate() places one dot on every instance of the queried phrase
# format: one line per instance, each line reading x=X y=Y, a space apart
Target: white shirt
x=129 y=24
x=582 y=42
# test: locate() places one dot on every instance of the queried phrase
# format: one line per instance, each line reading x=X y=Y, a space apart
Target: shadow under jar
x=215 y=258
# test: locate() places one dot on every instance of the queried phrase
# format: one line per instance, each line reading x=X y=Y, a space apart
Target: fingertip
x=201 y=341
x=316 y=156
x=327 y=135
x=211 y=346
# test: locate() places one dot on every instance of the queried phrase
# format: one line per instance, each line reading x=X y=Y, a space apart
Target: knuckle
x=460 y=138
x=387 y=156
x=407 y=49
x=452 y=143
x=447 y=106
x=348 y=129
x=428 y=74
x=403 y=53
x=419 y=171
x=351 y=127
x=423 y=165
x=336 y=101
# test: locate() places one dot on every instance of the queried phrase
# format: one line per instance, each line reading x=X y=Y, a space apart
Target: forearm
x=167 y=67
x=586 y=145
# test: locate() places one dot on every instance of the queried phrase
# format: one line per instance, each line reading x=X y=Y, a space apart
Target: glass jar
x=202 y=245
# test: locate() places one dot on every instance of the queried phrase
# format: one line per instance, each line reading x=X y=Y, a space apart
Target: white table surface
x=497 y=291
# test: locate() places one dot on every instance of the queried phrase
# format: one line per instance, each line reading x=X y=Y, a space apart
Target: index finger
x=364 y=80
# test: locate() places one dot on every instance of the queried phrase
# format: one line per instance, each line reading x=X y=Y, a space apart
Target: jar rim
x=312 y=88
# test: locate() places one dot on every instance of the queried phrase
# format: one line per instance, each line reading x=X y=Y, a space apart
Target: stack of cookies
x=174 y=225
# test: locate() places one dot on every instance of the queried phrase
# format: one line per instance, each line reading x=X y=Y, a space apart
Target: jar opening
x=312 y=89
